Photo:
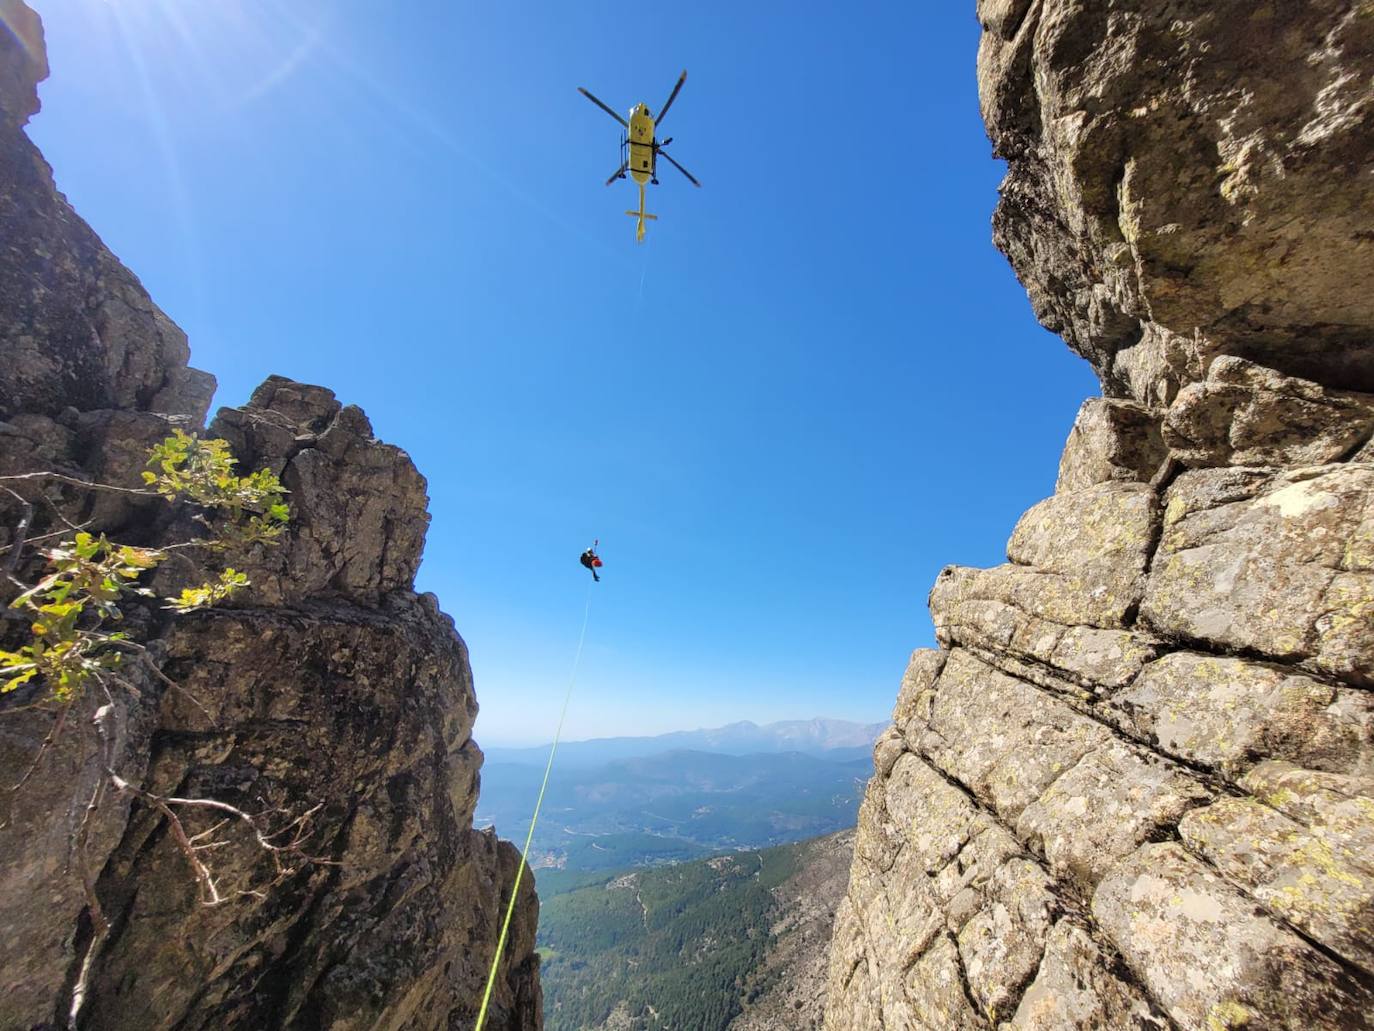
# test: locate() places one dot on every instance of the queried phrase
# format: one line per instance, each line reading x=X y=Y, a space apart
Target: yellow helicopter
x=639 y=151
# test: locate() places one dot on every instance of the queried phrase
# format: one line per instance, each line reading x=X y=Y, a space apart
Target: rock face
x=1188 y=180
x=328 y=684
x=1132 y=788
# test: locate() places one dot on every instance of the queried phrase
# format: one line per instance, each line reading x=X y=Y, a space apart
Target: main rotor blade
x=617 y=173
x=689 y=175
x=663 y=112
x=587 y=94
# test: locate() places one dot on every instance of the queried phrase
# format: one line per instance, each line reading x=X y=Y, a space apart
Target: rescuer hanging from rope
x=591 y=561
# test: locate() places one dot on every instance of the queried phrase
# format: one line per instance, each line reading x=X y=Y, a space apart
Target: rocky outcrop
x=1132 y=788
x=1187 y=181
x=328 y=685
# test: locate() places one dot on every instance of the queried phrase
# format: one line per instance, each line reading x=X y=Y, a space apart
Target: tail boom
x=642 y=215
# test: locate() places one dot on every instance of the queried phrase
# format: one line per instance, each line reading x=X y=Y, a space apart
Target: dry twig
x=74 y=481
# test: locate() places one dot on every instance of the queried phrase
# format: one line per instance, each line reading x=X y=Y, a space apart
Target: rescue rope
x=529 y=837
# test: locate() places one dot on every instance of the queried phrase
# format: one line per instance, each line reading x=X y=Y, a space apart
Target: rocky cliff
x=1134 y=787
x=329 y=684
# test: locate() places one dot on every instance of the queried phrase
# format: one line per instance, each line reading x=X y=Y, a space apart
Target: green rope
x=529 y=837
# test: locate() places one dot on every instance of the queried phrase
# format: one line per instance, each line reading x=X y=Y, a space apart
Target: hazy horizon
x=493 y=742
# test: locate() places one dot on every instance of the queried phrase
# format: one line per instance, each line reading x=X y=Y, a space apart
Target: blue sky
x=815 y=383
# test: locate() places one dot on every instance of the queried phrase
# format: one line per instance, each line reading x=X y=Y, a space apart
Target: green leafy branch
x=252 y=508
x=89 y=579
x=89 y=575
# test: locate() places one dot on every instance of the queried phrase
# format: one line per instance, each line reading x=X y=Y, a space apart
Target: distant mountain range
x=641 y=801
x=810 y=737
x=675 y=806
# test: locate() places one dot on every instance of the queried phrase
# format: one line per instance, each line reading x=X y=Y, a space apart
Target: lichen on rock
x=1186 y=181
x=1162 y=703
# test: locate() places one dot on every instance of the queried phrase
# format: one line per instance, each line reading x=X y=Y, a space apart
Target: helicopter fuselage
x=641 y=159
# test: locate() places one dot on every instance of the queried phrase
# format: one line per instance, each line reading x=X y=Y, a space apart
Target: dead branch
x=74 y=481
x=40 y=537
x=100 y=927
x=287 y=858
x=53 y=734
x=146 y=657
x=17 y=549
